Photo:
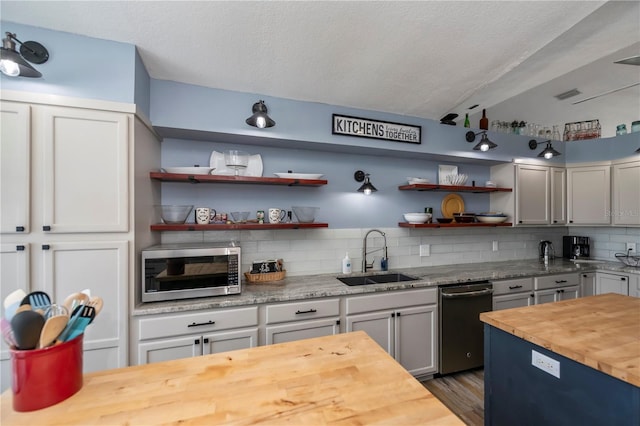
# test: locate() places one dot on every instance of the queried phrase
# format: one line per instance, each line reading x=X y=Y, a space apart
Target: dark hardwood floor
x=462 y=393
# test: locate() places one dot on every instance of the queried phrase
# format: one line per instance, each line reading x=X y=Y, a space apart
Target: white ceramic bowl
x=417 y=217
x=491 y=219
x=305 y=214
x=415 y=180
x=196 y=170
x=299 y=175
x=174 y=214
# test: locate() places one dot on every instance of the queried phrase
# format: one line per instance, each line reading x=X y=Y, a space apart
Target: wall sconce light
x=548 y=152
x=260 y=119
x=14 y=64
x=484 y=145
x=366 y=187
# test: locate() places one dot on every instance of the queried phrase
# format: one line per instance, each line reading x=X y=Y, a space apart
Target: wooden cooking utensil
x=75 y=299
x=25 y=307
x=52 y=329
x=97 y=303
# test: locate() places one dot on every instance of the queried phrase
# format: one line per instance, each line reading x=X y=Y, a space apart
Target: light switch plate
x=495 y=246
x=545 y=363
x=631 y=246
x=425 y=250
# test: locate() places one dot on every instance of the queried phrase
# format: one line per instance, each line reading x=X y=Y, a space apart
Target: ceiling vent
x=567 y=94
x=634 y=60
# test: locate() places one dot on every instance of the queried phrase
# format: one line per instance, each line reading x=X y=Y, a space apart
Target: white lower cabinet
x=286 y=322
x=404 y=323
x=612 y=283
x=166 y=337
x=553 y=288
x=587 y=284
x=514 y=293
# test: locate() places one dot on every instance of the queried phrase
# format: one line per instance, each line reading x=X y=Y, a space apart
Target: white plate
x=188 y=170
x=299 y=175
x=414 y=180
x=444 y=171
x=254 y=168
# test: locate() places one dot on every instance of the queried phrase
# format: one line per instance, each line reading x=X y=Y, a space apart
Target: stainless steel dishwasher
x=461 y=331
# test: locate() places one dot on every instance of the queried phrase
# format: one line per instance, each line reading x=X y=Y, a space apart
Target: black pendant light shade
x=15 y=64
x=367 y=187
x=260 y=119
x=548 y=152
x=484 y=145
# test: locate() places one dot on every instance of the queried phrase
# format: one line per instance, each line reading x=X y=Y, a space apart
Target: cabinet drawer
x=391 y=300
x=302 y=310
x=553 y=281
x=512 y=286
x=199 y=322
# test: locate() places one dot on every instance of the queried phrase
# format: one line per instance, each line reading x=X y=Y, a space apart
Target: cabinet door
x=508 y=301
x=558 y=195
x=416 y=339
x=15 y=167
x=84 y=176
x=611 y=283
x=626 y=194
x=301 y=330
x=169 y=349
x=378 y=325
x=101 y=267
x=532 y=195
x=545 y=296
x=587 y=284
x=229 y=341
x=588 y=195
x=566 y=293
x=14 y=275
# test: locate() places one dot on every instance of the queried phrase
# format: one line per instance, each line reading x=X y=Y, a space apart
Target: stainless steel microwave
x=184 y=271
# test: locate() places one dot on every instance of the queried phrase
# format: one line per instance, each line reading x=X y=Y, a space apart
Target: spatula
x=75 y=299
x=37 y=300
x=52 y=329
x=12 y=302
x=80 y=318
x=27 y=326
x=97 y=303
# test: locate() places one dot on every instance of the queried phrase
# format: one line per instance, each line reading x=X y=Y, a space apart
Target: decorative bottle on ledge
x=466 y=120
x=484 y=121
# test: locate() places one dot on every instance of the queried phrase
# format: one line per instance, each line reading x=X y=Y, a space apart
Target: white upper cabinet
x=83 y=170
x=589 y=195
x=626 y=193
x=533 y=195
x=15 y=170
x=558 y=195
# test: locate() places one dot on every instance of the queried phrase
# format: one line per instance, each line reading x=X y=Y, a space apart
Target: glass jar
x=621 y=129
x=555 y=134
x=635 y=126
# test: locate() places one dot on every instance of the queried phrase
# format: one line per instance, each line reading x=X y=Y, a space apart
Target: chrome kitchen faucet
x=366 y=265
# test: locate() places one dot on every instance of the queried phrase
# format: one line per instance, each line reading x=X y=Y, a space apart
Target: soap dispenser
x=346 y=264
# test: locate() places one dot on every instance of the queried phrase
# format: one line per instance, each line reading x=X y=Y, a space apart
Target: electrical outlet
x=545 y=363
x=495 y=246
x=425 y=250
x=631 y=246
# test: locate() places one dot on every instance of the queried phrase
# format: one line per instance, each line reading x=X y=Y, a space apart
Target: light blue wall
x=78 y=66
x=142 y=93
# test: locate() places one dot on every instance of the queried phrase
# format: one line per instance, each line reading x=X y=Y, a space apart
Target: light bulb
x=261 y=122
x=484 y=147
x=367 y=191
x=548 y=155
x=9 y=68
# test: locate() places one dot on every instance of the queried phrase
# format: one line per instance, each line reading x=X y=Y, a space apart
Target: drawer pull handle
x=197 y=324
x=19 y=228
x=310 y=311
x=513 y=287
x=560 y=281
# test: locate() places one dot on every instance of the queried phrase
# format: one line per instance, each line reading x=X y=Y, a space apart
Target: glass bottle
x=621 y=129
x=484 y=121
x=466 y=120
x=555 y=135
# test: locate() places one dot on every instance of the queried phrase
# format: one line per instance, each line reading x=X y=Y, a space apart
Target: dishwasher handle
x=467 y=293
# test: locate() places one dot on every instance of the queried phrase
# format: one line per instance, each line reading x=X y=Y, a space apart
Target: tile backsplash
x=320 y=251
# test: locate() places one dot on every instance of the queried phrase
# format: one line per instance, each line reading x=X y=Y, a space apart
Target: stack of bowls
x=416 y=218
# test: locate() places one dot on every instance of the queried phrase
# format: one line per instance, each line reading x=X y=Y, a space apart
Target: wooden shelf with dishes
x=250 y=226
x=256 y=180
x=451 y=225
x=451 y=188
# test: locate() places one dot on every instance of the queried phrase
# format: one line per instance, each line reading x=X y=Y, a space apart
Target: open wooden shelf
x=451 y=188
x=179 y=177
x=234 y=226
x=451 y=225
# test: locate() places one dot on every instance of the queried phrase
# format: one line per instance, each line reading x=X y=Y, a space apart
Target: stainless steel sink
x=376 y=279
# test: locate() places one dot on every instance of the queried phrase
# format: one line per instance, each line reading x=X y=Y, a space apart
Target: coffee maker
x=575 y=247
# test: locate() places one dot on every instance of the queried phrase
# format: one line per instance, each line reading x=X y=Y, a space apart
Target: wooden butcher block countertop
x=346 y=379
x=602 y=332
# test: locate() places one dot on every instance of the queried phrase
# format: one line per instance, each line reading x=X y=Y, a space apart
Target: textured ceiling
x=419 y=58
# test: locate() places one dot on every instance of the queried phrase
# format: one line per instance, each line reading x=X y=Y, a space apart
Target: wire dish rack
x=628 y=259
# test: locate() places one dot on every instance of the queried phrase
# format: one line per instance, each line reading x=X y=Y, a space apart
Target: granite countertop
x=327 y=285
x=602 y=332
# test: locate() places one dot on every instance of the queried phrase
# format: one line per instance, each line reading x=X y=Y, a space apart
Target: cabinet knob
x=623 y=278
x=196 y=342
x=19 y=228
x=46 y=247
x=20 y=248
x=570 y=221
x=205 y=340
x=46 y=228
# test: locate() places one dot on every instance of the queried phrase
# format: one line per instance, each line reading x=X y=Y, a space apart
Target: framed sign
x=375 y=129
